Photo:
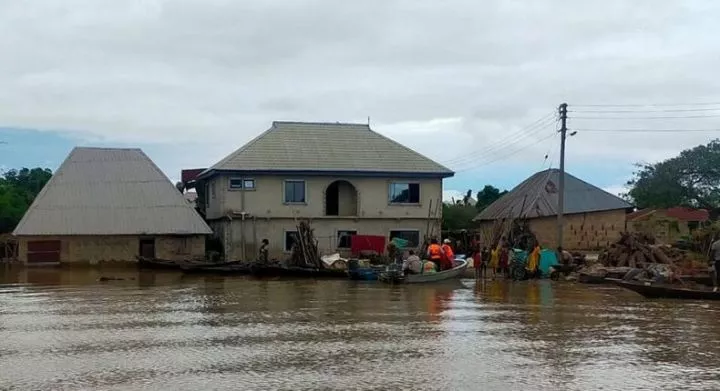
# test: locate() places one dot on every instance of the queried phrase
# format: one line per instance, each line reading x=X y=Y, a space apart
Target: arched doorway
x=341 y=199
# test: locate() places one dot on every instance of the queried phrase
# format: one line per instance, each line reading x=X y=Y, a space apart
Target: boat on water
x=224 y=269
x=666 y=291
x=156 y=263
x=264 y=270
x=393 y=275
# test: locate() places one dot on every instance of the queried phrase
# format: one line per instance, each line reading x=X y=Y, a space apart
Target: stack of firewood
x=637 y=250
x=305 y=249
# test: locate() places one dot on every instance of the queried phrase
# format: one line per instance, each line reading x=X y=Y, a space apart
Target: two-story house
x=346 y=178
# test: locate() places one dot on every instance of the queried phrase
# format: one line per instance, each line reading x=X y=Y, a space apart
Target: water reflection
x=65 y=329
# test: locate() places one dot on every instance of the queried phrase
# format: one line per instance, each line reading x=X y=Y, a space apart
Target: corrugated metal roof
x=537 y=196
x=678 y=212
x=110 y=191
x=295 y=146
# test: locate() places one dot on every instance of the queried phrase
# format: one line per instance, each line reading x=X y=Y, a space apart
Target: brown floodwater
x=166 y=331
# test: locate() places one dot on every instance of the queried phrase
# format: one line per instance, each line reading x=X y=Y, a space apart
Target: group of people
x=496 y=259
x=440 y=257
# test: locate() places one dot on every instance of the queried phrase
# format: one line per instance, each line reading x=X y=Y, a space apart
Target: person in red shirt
x=478 y=262
x=449 y=255
x=435 y=253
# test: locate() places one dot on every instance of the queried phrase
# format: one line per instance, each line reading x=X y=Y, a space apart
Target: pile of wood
x=638 y=250
x=305 y=249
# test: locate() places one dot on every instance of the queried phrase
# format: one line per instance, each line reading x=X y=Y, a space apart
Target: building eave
x=331 y=173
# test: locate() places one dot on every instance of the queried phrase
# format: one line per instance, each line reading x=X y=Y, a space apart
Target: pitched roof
x=679 y=213
x=331 y=147
x=537 y=196
x=110 y=191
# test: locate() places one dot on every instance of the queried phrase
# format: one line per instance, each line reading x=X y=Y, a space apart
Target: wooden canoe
x=422 y=278
x=666 y=291
x=154 y=263
x=219 y=268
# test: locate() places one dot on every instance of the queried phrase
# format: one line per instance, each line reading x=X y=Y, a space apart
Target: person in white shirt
x=412 y=264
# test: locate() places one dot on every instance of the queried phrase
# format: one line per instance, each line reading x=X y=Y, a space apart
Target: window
x=236 y=183
x=404 y=193
x=344 y=237
x=411 y=235
x=294 y=192
x=242 y=183
x=212 y=190
x=289 y=240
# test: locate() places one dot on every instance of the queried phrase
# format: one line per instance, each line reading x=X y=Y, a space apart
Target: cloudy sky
x=472 y=84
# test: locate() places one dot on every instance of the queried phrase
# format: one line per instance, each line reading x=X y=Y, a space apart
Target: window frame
x=284 y=192
x=242 y=186
x=337 y=237
x=254 y=184
x=235 y=188
x=287 y=249
x=409 y=185
x=390 y=232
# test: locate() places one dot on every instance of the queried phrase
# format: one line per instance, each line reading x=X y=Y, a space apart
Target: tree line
x=691 y=179
x=18 y=189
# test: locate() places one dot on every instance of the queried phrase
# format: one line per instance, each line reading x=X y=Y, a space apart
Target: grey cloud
x=215 y=73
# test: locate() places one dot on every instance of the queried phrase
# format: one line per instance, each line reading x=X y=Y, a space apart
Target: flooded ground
x=163 y=331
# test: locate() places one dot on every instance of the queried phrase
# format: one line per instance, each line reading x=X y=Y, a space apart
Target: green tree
x=459 y=214
x=18 y=189
x=690 y=179
x=487 y=196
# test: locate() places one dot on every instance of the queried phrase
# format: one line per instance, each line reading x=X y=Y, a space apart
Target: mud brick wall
x=581 y=231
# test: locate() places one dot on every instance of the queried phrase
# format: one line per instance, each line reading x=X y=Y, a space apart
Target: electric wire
x=502 y=146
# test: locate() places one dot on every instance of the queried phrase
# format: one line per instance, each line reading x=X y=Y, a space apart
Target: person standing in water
x=263 y=252
x=715 y=263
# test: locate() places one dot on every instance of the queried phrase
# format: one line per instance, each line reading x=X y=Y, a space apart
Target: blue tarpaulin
x=548 y=258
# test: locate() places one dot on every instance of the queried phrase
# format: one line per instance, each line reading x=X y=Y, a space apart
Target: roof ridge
x=322 y=123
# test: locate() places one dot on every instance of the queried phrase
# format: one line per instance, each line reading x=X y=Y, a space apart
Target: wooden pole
x=561 y=191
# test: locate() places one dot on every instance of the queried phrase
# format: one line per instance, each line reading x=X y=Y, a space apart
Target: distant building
x=108 y=204
x=592 y=217
x=667 y=225
x=191 y=198
x=346 y=178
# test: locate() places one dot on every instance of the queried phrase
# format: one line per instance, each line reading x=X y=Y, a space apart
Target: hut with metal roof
x=593 y=218
x=109 y=204
x=348 y=179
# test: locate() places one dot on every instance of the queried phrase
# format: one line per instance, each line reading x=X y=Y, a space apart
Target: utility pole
x=562 y=111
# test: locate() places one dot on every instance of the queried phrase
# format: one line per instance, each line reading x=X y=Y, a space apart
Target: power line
x=500 y=151
x=644 y=111
x=502 y=144
x=656 y=117
x=647 y=130
x=654 y=105
x=487 y=162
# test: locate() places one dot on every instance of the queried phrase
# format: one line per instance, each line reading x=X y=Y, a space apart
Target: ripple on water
x=239 y=333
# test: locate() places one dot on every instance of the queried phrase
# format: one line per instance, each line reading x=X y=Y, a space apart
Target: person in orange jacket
x=435 y=253
x=449 y=255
